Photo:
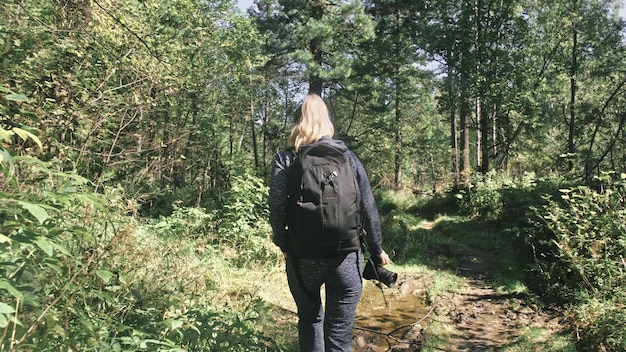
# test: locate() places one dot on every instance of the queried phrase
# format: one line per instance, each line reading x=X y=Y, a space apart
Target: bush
x=205 y=328
x=53 y=234
x=599 y=325
x=584 y=242
x=239 y=229
x=588 y=233
x=243 y=221
x=482 y=198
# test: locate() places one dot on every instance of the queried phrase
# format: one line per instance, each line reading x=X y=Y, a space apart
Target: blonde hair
x=312 y=122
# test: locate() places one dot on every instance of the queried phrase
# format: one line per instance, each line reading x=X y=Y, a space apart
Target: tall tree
x=388 y=94
x=396 y=59
x=449 y=38
x=581 y=43
x=315 y=36
x=154 y=96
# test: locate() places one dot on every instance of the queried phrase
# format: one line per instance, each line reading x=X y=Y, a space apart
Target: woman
x=321 y=331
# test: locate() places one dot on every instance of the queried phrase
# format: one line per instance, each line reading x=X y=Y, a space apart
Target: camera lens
x=377 y=272
x=387 y=277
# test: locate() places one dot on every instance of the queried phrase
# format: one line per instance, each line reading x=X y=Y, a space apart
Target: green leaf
x=5 y=136
x=105 y=275
x=35 y=210
x=5 y=157
x=16 y=97
x=61 y=249
x=25 y=135
x=176 y=324
x=55 y=267
x=5 y=239
x=4 y=322
x=5 y=284
x=6 y=309
x=45 y=245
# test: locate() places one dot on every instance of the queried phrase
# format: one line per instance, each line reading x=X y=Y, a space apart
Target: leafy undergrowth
x=78 y=272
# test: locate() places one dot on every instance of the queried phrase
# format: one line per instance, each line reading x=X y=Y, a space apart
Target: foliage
x=204 y=328
x=153 y=96
x=599 y=324
x=46 y=236
x=185 y=223
x=586 y=231
x=572 y=239
x=238 y=228
x=13 y=133
x=482 y=197
x=157 y=108
x=243 y=224
x=300 y=33
x=74 y=276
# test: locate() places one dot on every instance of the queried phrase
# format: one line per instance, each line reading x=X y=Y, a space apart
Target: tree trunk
x=398 y=148
x=465 y=125
x=572 y=102
x=484 y=145
x=315 y=82
x=454 y=145
x=479 y=134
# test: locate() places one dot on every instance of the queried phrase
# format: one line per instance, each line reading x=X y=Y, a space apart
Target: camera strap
x=364 y=248
x=296 y=268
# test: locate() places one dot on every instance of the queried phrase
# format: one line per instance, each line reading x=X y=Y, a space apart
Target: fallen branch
x=432 y=308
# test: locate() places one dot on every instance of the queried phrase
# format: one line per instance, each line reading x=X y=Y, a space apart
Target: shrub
x=239 y=229
x=582 y=260
x=588 y=233
x=243 y=221
x=482 y=198
x=52 y=234
x=187 y=223
x=205 y=328
x=599 y=324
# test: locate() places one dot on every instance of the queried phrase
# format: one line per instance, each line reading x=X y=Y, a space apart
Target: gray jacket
x=278 y=198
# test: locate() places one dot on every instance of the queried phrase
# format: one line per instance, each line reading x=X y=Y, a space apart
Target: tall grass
x=77 y=272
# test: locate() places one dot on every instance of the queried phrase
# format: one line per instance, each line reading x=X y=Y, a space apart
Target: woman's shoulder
x=284 y=157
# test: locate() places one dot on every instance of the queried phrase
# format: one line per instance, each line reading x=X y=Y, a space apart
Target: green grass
x=537 y=339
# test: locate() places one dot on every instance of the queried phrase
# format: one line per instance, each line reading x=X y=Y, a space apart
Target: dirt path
x=483 y=319
x=475 y=318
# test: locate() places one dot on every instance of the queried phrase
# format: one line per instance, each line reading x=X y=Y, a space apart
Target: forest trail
x=482 y=318
x=476 y=317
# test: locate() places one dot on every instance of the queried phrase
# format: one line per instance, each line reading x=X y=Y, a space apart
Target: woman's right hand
x=383 y=258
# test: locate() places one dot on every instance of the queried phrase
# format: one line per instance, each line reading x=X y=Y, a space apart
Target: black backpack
x=324 y=203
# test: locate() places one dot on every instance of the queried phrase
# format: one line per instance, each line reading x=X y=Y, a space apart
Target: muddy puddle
x=385 y=316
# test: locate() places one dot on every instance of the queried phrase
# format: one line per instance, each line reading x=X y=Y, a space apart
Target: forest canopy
x=185 y=95
x=114 y=109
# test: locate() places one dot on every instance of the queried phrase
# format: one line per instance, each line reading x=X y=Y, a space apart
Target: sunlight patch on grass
x=445 y=283
x=537 y=339
x=513 y=286
x=435 y=336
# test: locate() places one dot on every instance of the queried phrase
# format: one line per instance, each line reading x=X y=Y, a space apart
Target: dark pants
x=320 y=331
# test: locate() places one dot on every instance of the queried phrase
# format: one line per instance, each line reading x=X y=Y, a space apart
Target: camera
x=375 y=271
